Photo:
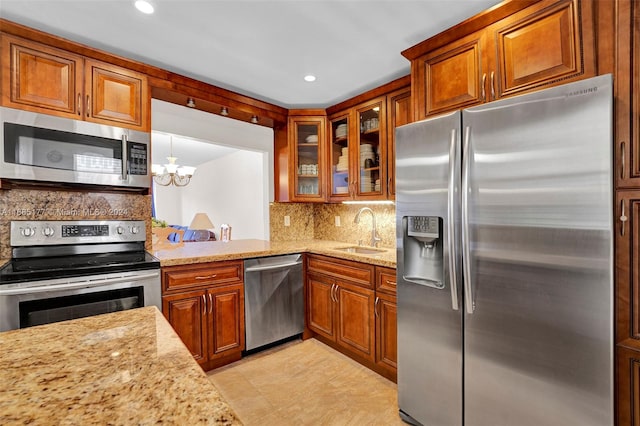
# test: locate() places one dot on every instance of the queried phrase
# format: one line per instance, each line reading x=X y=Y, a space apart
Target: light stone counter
x=212 y=251
x=123 y=368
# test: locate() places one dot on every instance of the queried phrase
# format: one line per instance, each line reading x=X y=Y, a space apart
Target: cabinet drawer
x=179 y=278
x=386 y=280
x=355 y=272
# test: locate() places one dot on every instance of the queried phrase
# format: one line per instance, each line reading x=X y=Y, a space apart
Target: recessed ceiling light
x=144 y=6
x=309 y=78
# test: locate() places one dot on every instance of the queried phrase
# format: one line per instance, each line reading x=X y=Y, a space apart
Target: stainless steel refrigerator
x=505 y=261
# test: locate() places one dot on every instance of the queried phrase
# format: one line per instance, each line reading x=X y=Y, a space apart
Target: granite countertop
x=123 y=368
x=212 y=251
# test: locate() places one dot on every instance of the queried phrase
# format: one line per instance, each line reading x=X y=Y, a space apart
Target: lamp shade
x=201 y=221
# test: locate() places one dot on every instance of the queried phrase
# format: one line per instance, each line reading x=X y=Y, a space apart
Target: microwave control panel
x=137 y=158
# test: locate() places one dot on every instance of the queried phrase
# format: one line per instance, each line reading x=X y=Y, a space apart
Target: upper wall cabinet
x=548 y=43
x=358 y=152
x=398 y=114
x=627 y=172
x=306 y=147
x=40 y=78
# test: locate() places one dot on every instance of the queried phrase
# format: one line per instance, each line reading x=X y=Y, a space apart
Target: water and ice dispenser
x=422 y=246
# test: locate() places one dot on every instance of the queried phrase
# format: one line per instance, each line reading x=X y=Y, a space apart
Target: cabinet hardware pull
x=206 y=277
x=79 y=103
x=622 y=159
x=375 y=307
x=204 y=305
x=623 y=217
x=210 y=303
x=88 y=105
x=493 y=90
x=331 y=294
x=389 y=282
x=484 y=84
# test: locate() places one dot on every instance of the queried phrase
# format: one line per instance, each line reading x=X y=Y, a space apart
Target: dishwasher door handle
x=271 y=267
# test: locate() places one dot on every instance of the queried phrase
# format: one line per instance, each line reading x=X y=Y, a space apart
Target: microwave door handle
x=125 y=167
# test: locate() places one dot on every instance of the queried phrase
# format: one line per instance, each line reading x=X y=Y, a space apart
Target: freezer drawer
x=273 y=299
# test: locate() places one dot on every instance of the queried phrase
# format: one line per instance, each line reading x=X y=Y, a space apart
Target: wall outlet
x=337 y=219
x=287 y=221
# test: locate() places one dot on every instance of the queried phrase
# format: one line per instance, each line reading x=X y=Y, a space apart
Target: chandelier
x=172 y=173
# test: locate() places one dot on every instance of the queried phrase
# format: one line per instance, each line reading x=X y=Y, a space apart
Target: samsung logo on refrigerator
x=586 y=91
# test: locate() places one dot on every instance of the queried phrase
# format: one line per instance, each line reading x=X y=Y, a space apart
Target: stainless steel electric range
x=63 y=270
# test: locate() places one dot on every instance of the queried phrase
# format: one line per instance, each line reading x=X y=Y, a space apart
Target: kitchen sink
x=361 y=250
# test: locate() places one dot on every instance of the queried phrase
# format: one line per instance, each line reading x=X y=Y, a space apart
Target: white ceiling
x=261 y=48
x=188 y=151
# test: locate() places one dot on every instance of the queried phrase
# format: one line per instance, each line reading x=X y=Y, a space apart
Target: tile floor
x=306 y=383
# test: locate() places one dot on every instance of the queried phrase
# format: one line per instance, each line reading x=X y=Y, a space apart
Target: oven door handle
x=77 y=284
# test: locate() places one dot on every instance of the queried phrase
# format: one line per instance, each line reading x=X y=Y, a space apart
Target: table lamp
x=200 y=226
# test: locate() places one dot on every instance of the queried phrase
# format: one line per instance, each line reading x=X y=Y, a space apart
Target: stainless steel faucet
x=374 y=234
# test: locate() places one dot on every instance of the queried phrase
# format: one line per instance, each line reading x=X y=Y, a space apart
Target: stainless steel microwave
x=48 y=149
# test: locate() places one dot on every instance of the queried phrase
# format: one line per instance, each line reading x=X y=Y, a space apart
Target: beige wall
x=317 y=221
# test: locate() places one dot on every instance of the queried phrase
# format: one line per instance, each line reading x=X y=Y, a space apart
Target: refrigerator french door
x=505 y=261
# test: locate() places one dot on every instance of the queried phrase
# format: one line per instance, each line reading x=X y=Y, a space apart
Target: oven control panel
x=34 y=233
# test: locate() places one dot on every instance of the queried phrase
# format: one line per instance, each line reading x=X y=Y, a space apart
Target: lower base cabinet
x=386 y=313
x=205 y=306
x=347 y=312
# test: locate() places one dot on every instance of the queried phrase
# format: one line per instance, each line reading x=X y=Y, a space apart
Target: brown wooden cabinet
x=386 y=314
x=361 y=147
x=627 y=238
x=340 y=302
x=187 y=314
x=40 y=78
x=398 y=114
x=627 y=81
x=351 y=306
x=627 y=211
x=358 y=152
x=550 y=42
x=450 y=77
x=355 y=318
x=204 y=303
x=306 y=147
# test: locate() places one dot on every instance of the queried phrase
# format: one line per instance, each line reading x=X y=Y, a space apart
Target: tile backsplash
x=318 y=221
x=24 y=204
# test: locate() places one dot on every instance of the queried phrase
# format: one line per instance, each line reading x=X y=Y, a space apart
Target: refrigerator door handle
x=451 y=245
x=466 y=264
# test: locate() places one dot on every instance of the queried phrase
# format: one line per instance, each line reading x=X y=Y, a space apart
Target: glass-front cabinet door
x=307 y=137
x=340 y=180
x=371 y=150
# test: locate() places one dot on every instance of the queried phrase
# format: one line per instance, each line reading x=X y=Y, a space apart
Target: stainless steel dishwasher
x=273 y=299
